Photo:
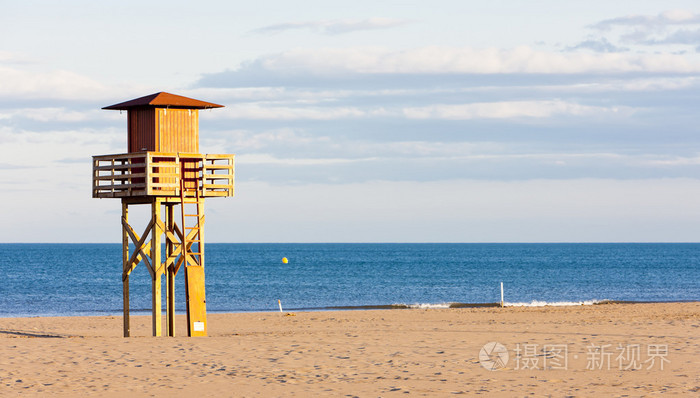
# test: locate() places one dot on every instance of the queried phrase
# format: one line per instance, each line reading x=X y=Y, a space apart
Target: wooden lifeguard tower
x=164 y=169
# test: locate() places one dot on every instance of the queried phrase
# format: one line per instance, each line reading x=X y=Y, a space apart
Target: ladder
x=192 y=225
x=192 y=248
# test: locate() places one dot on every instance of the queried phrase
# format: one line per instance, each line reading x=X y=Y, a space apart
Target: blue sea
x=85 y=279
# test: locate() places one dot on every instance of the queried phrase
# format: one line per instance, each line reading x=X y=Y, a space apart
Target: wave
x=537 y=303
x=425 y=305
x=398 y=306
x=533 y=303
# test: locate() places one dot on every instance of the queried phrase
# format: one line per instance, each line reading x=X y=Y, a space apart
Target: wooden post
x=170 y=273
x=157 y=269
x=502 y=303
x=125 y=265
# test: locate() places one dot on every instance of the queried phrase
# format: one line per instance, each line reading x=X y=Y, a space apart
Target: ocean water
x=85 y=279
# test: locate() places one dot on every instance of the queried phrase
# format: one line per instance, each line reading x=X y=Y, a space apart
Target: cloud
x=7 y=166
x=678 y=161
x=285 y=137
x=262 y=111
x=429 y=89
x=7 y=57
x=55 y=114
x=679 y=27
x=477 y=110
x=452 y=153
x=508 y=110
x=661 y=20
x=289 y=161
x=581 y=210
x=327 y=155
x=350 y=65
x=30 y=85
x=600 y=45
x=334 y=27
x=19 y=83
x=651 y=84
x=306 y=149
x=683 y=36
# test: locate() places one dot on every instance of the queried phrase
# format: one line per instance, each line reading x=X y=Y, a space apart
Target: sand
x=598 y=350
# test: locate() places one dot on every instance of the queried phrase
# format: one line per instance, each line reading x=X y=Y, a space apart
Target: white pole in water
x=501 y=294
x=280 y=304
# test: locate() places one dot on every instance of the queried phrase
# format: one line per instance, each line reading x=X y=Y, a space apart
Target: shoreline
x=426 y=352
x=370 y=307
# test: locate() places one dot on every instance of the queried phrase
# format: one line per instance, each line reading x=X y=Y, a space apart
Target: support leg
x=157 y=270
x=125 y=260
x=157 y=302
x=171 y=303
x=170 y=275
x=125 y=292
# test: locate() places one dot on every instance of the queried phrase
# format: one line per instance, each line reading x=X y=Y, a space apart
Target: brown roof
x=163 y=99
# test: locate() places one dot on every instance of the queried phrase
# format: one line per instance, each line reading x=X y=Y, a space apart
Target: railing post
x=178 y=174
x=94 y=176
x=111 y=171
x=147 y=179
x=202 y=181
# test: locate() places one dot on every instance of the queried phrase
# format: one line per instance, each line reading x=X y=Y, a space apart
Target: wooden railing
x=159 y=174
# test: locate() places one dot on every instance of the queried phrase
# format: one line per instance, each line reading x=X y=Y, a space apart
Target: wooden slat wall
x=178 y=130
x=142 y=130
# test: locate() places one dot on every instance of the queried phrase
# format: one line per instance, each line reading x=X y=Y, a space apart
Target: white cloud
x=677 y=161
x=57 y=114
x=624 y=85
x=508 y=110
x=601 y=45
x=261 y=158
x=298 y=148
x=672 y=27
x=42 y=149
x=252 y=141
x=262 y=111
x=481 y=110
x=252 y=101
x=18 y=83
x=681 y=16
x=582 y=210
x=364 y=151
x=663 y=19
x=337 y=26
x=31 y=83
x=436 y=60
x=7 y=57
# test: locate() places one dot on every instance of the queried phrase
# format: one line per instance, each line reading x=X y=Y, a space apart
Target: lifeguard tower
x=164 y=170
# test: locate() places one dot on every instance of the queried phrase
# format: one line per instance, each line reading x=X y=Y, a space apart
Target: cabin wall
x=142 y=130
x=178 y=130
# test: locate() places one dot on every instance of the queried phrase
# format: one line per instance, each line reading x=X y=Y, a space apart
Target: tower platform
x=159 y=174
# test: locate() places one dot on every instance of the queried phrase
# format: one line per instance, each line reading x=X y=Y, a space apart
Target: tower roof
x=163 y=99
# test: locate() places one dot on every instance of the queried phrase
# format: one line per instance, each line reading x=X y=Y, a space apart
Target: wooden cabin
x=162 y=147
x=163 y=122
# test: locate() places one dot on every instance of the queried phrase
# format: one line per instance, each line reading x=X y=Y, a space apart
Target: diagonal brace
x=142 y=250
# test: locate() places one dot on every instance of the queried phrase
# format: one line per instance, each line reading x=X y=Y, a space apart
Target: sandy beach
x=601 y=350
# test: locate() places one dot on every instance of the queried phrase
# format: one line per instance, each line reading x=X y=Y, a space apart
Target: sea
x=85 y=279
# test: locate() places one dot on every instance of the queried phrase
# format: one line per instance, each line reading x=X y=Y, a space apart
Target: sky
x=367 y=121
